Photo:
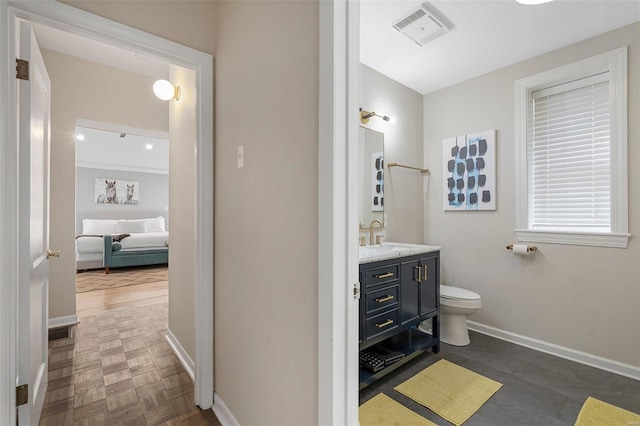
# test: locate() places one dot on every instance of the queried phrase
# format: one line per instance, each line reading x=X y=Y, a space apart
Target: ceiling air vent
x=423 y=24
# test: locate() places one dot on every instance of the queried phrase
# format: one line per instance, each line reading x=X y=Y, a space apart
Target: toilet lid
x=449 y=292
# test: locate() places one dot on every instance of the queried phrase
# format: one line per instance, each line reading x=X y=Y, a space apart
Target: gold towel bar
x=407 y=167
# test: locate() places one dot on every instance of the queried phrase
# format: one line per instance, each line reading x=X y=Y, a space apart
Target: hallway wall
x=266 y=305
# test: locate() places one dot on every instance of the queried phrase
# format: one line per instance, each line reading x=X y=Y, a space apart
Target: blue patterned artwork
x=469 y=173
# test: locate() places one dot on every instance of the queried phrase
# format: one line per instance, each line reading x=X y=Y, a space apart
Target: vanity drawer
x=381 y=275
x=382 y=323
x=381 y=299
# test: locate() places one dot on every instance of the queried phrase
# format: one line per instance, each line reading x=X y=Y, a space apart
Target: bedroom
x=122 y=189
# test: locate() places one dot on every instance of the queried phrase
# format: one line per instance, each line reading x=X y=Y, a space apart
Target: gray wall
x=153 y=196
x=266 y=224
x=583 y=298
x=403 y=188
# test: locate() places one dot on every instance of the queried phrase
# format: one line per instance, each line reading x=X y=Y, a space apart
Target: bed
x=113 y=243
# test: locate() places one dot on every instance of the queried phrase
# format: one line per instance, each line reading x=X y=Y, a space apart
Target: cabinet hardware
x=387 y=275
x=419 y=279
x=384 y=299
x=425 y=273
x=384 y=324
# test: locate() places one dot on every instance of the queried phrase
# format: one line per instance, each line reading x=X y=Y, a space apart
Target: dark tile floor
x=538 y=389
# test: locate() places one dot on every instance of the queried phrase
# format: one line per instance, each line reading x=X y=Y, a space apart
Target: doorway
x=122 y=189
x=70 y=19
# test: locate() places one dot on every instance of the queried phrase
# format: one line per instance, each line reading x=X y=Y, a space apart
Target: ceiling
x=105 y=149
x=102 y=53
x=487 y=35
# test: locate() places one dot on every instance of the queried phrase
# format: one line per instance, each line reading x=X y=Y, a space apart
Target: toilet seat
x=456 y=293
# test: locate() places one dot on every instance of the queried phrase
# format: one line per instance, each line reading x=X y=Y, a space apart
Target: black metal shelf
x=411 y=342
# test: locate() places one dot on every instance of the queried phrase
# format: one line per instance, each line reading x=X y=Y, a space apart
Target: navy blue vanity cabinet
x=380 y=298
x=418 y=287
x=396 y=295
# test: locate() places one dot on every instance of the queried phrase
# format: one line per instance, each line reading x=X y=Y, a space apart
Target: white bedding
x=144 y=240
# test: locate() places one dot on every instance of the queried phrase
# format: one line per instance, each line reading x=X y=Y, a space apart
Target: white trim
x=64 y=17
x=222 y=412
x=65 y=321
x=337 y=214
x=117 y=128
x=204 y=252
x=596 y=361
x=123 y=168
x=614 y=62
x=8 y=221
x=180 y=353
x=616 y=240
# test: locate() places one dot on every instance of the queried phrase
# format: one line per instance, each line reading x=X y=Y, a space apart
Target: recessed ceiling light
x=530 y=2
x=148 y=146
x=80 y=136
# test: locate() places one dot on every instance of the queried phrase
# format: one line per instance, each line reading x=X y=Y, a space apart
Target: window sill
x=612 y=239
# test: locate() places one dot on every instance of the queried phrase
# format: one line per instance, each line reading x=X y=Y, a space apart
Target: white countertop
x=390 y=250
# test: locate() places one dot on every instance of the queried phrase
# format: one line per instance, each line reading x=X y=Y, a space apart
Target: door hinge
x=356 y=291
x=22 y=69
x=22 y=394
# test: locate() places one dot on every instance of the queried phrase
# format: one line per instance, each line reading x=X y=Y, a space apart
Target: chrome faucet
x=371 y=229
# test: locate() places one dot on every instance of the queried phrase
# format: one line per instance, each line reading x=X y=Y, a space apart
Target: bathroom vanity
x=399 y=286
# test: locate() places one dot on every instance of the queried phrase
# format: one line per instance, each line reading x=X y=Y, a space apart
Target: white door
x=33 y=225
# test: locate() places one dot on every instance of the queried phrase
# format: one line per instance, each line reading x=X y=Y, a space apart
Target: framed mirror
x=371 y=176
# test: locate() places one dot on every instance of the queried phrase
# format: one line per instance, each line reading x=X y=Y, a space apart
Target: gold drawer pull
x=384 y=299
x=425 y=273
x=384 y=324
x=419 y=279
x=387 y=275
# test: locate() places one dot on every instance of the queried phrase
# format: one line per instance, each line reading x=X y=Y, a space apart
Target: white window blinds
x=569 y=156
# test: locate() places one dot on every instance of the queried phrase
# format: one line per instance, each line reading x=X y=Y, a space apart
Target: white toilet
x=455 y=305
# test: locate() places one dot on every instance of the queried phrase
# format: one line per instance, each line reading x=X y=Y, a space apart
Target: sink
x=389 y=250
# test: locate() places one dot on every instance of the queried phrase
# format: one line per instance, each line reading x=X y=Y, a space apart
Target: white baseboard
x=222 y=412
x=596 y=361
x=63 y=321
x=182 y=355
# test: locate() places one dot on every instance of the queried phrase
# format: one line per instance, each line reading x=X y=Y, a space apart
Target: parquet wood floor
x=96 y=279
x=117 y=368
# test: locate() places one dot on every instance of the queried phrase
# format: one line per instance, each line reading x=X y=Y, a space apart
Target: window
x=571 y=153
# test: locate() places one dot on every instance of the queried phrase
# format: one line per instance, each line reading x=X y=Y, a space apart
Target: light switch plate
x=240 y=156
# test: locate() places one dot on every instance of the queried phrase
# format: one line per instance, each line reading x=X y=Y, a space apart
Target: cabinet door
x=409 y=290
x=428 y=286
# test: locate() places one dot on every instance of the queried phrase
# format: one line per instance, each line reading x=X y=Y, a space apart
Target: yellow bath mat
x=452 y=392
x=384 y=411
x=599 y=413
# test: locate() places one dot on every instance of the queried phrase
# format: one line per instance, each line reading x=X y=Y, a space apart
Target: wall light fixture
x=166 y=91
x=366 y=115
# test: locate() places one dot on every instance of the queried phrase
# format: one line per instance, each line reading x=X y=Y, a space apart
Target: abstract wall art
x=377 y=182
x=469 y=171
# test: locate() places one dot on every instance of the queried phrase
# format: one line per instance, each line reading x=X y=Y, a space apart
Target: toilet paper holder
x=529 y=248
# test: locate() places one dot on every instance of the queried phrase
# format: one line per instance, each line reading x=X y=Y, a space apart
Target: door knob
x=53 y=253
